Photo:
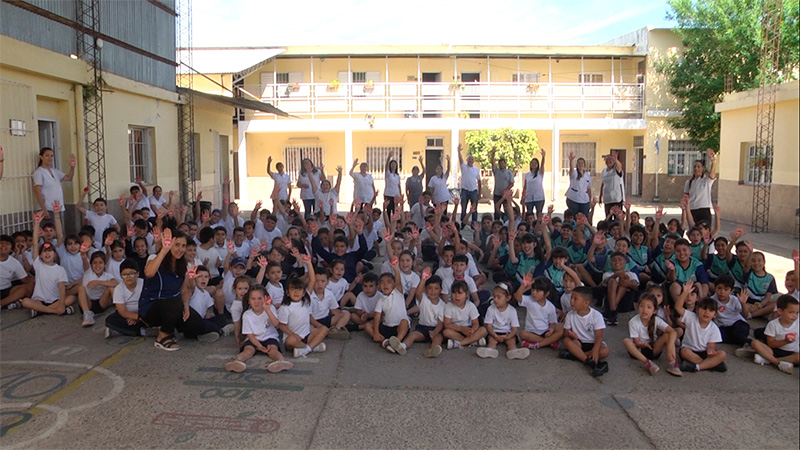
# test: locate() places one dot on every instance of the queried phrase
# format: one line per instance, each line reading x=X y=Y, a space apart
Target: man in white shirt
x=470 y=185
x=503 y=182
x=612 y=188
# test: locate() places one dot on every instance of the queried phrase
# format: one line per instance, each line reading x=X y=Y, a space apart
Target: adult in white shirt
x=157 y=201
x=579 y=194
x=612 y=188
x=308 y=182
x=533 y=187
x=327 y=197
x=391 y=187
x=503 y=183
x=282 y=180
x=363 y=182
x=47 y=181
x=698 y=188
x=470 y=185
x=438 y=185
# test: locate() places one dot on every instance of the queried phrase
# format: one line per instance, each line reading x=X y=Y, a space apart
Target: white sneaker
x=88 y=319
x=69 y=310
x=433 y=352
x=758 y=359
x=111 y=333
x=320 y=348
x=518 y=353
x=397 y=345
x=15 y=305
x=279 y=366
x=744 y=351
x=235 y=366
x=385 y=345
x=453 y=344
x=208 y=337
x=486 y=352
x=300 y=352
x=482 y=342
x=786 y=366
x=228 y=329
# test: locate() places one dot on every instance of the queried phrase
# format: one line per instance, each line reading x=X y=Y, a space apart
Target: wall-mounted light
x=73 y=56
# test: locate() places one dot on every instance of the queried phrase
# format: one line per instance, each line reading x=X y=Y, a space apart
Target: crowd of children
x=281 y=280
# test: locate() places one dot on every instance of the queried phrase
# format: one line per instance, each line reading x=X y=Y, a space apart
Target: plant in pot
x=333 y=86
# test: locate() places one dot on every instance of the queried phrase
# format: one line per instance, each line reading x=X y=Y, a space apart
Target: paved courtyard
x=62 y=386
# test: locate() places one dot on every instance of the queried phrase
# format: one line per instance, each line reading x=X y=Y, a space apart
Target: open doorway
x=434 y=156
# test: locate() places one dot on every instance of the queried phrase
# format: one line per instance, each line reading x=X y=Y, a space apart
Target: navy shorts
x=647 y=354
x=325 y=321
x=96 y=308
x=781 y=353
x=425 y=332
x=387 y=332
x=587 y=346
x=265 y=343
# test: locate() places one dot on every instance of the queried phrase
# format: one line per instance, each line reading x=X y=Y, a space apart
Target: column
x=347 y=188
x=555 y=162
x=243 y=175
x=455 y=169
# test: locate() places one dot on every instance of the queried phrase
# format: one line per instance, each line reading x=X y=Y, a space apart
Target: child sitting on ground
x=781 y=348
x=390 y=312
x=431 y=316
x=502 y=325
x=583 y=333
x=50 y=291
x=541 y=321
x=125 y=319
x=699 y=347
x=294 y=316
x=364 y=310
x=731 y=311
x=461 y=326
x=649 y=335
x=761 y=286
x=97 y=287
x=325 y=309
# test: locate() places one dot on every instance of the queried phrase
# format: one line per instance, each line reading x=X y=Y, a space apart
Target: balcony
x=463 y=100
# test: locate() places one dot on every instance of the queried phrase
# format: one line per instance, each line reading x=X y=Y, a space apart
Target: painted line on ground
x=224 y=384
x=255 y=371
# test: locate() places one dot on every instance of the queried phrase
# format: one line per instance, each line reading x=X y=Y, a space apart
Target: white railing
x=523 y=100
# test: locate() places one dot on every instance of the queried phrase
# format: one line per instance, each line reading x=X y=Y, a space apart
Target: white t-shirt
x=96 y=292
x=418 y=214
x=429 y=314
x=538 y=317
x=578 y=187
x=212 y=256
x=392 y=308
x=585 y=326
x=50 y=181
x=366 y=303
x=200 y=301
x=410 y=281
x=158 y=202
x=321 y=307
x=228 y=289
x=124 y=296
x=696 y=337
x=325 y=198
x=113 y=268
x=566 y=302
x=10 y=270
x=469 y=177
x=282 y=180
x=448 y=282
x=502 y=321
x=608 y=275
x=232 y=222
x=779 y=332
x=637 y=329
x=392 y=184
x=275 y=293
x=363 y=187
x=338 y=288
x=71 y=262
x=613 y=189
x=309 y=179
x=267 y=236
x=237 y=308
x=699 y=192
x=46 y=289
x=728 y=313
x=297 y=317
x=534 y=188
x=439 y=186
x=100 y=224
x=258 y=324
x=461 y=317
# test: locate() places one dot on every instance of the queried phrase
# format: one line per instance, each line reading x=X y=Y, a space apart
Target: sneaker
x=745 y=351
x=651 y=367
x=565 y=354
x=88 y=319
x=482 y=342
x=352 y=327
x=235 y=366
x=34 y=313
x=686 y=366
x=397 y=345
x=387 y=347
x=786 y=366
x=486 y=352
x=338 y=334
x=612 y=318
x=590 y=363
x=69 y=310
x=760 y=360
x=279 y=366
x=673 y=369
x=320 y=348
x=300 y=352
x=433 y=352
x=600 y=369
x=453 y=344
x=208 y=337
x=109 y=333
x=228 y=329
x=16 y=305
x=518 y=353
x=722 y=367
x=529 y=344
x=555 y=345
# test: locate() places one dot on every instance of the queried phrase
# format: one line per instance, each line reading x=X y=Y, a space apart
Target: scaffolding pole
x=186 y=142
x=89 y=50
x=771 y=19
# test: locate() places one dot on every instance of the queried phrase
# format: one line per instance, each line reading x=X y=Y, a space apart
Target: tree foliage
x=516 y=146
x=722 y=39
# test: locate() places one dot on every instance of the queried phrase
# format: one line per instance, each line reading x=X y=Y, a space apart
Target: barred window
x=140 y=153
x=585 y=150
x=296 y=153
x=376 y=159
x=681 y=157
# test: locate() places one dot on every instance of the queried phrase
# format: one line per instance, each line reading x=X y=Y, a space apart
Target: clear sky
x=267 y=23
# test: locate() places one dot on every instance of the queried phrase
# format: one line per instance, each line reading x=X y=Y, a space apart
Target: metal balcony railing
x=464 y=100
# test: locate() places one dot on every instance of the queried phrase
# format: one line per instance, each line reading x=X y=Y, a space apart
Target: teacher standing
x=698 y=188
x=47 y=181
x=579 y=194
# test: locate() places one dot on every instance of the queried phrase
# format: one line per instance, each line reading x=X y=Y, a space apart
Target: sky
x=268 y=23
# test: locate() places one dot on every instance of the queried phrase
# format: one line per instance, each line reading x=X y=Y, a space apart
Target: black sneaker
x=565 y=354
x=611 y=319
x=600 y=369
x=352 y=327
x=686 y=366
x=590 y=363
x=722 y=367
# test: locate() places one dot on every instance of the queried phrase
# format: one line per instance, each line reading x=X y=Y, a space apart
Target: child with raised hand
x=274 y=287
x=259 y=325
x=618 y=283
x=761 y=286
x=200 y=301
x=97 y=287
x=583 y=333
x=541 y=320
x=502 y=325
x=390 y=317
x=528 y=259
x=461 y=326
x=50 y=291
x=431 y=316
x=699 y=347
x=558 y=271
x=364 y=310
x=294 y=316
x=125 y=319
x=781 y=348
x=731 y=313
x=649 y=335
x=325 y=310
x=98 y=217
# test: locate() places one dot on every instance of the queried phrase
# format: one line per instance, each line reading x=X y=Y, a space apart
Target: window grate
x=376 y=159
x=139 y=152
x=681 y=157
x=585 y=150
x=296 y=153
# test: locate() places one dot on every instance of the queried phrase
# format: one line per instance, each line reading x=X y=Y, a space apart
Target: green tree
x=722 y=40
x=516 y=146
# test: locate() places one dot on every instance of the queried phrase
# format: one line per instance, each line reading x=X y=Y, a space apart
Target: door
x=636 y=171
x=433 y=158
x=224 y=163
x=430 y=77
x=471 y=94
x=48 y=137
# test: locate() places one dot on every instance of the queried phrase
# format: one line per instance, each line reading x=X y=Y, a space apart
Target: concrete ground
x=62 y=386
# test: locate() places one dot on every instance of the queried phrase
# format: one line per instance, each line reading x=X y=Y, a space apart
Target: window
x=140 y=151
x=282 y=78
x=755 y=165
x=590 y=78
x=194 y=157
x=585 y=150
x=376 y=159
x=435 y=142
x=296 y=153
x=681 y=157
x=525 y=77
